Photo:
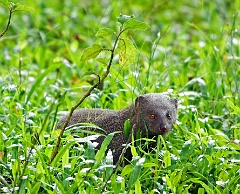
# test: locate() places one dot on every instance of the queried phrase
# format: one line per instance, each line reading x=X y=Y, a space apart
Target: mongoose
x=152 y=114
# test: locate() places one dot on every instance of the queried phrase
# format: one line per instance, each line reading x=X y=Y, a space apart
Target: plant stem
x=100 y=80
x=8 y=24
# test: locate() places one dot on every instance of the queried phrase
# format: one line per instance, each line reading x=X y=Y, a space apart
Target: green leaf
x=35 y=187
x=185 y=191
x=127 y=129
x=169 y=182
x=176 y=177
x=205 y=186
x=59 y=185
x=236 y=110
x=21 y=7
x=127 y=52
x=105 y=32
x=133 y=24
x=202 y=84
x=167 y=159
x=102 y=60
x=16 y=6
x=15 y=168
x=65 y=158
x=91 y=52
x=220 y=135
x=101 y=152
x=201 y=191
x=109 y=164
x=124 y=18
x=138 y=189
x=61 y=152
x=135 y=173
x=126 y=170
x=234 y=181
x=6 y=3
x=133 y=150
x=42 y=165
x=39 y=79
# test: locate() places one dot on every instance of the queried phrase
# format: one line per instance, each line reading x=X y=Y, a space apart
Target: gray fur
x=154 y=114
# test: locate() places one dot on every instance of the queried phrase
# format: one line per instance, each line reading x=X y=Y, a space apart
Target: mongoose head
x=156 y=113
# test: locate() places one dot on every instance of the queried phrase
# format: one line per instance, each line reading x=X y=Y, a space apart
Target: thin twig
x=100 y=81
x=8 y=24
x=4 y=182
x=55 y=151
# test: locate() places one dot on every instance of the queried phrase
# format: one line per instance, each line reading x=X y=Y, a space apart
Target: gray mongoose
x=153 y=114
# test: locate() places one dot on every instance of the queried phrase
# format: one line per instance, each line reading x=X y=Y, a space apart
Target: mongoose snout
x=152 y=114
x=163 y=128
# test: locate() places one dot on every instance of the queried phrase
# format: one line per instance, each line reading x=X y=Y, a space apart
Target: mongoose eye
x=153 y=116
x=168 y=116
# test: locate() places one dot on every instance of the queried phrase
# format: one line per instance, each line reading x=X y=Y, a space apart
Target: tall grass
x=191 y=51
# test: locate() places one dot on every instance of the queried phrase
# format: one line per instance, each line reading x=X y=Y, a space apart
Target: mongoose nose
x=163 y=128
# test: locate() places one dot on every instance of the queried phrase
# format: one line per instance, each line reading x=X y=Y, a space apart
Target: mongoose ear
x=175 y=102
x=138 y=100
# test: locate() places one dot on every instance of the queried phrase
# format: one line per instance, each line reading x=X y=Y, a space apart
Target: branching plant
x=13 y=7
x=126 y=51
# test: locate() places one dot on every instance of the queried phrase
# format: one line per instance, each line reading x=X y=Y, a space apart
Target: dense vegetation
x=190 y=50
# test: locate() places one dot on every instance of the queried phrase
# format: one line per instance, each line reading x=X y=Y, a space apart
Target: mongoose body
x=152 y=114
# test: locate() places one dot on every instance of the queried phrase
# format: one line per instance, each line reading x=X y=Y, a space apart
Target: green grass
x=191 y=51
